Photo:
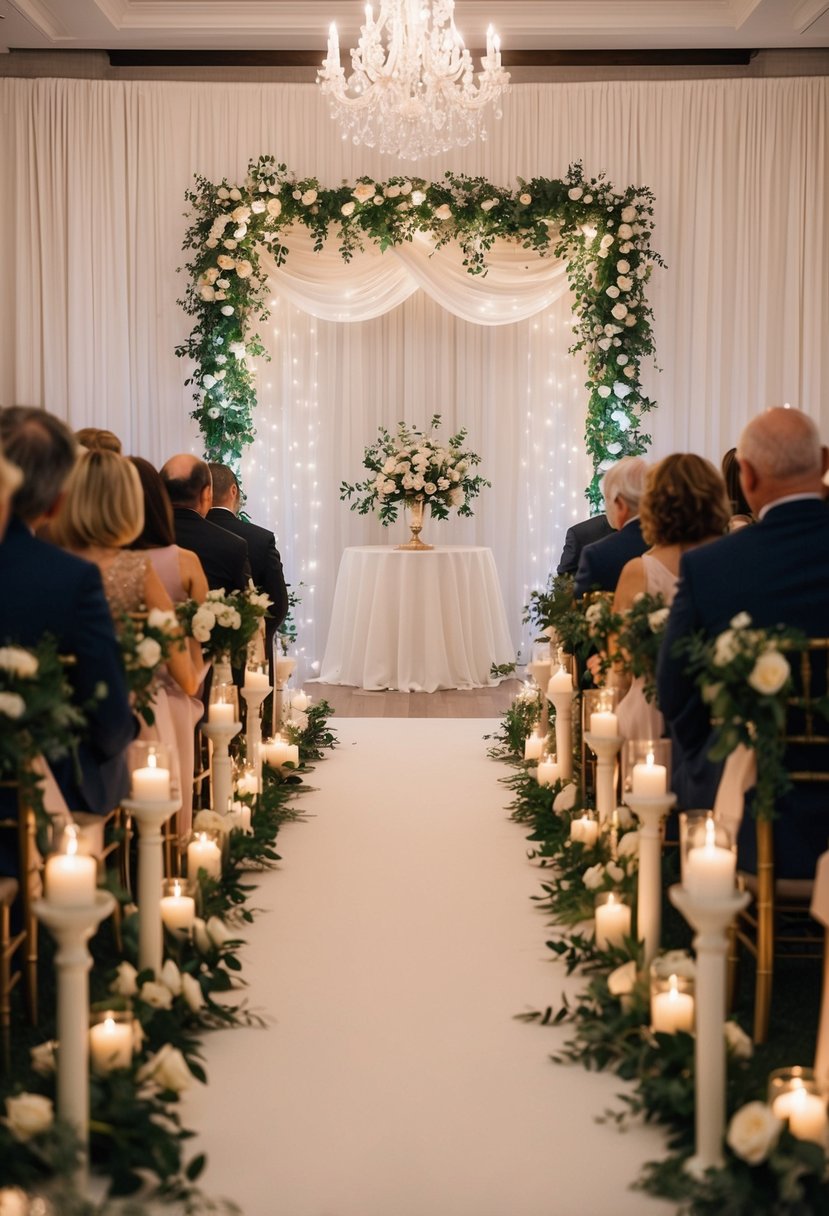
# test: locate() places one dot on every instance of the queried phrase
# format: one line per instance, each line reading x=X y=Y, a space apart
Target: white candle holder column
x=150 y=817
x=606 y=749
x=283 y=669
x=72 y=927
x=221 y=769
x=254 y=697
x=650 y=811
x=710 y=919
x=563 y=704
x=539 y=669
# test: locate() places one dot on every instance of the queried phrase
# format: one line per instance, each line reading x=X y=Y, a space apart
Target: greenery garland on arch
x=603 y=234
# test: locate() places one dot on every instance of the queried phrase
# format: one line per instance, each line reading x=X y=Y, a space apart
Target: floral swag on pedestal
x=603 y=234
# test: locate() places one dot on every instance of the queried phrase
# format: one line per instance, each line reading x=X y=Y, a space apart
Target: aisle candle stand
x=72 y=909
x=255 y=690
x=603 y=739
x=283 y=669
x=709 y=901
x=560 y=692
x=221 y=726
x=539 y=669
x=151 y=806
x=646 y=768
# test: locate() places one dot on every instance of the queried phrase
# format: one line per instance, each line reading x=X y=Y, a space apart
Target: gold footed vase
x=415 y=506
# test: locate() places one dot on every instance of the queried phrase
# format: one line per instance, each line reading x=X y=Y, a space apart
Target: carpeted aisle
x=397 y=942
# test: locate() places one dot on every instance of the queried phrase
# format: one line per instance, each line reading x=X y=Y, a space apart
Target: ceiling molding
x=807 y=12
x=41 y=16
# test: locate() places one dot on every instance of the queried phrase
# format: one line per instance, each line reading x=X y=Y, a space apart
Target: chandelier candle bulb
x=650 y=780
x=612 y=921
x=204 y=854
x=549 y=772
x=178 y=911
x=710 y=869
x=673 y=1010
x=71 y=878
x=110 y=1044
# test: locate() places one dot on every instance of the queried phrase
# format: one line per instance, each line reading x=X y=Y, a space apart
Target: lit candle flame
x=710 y=834
x=176 y=888
x=649 y=760
x=71 y=840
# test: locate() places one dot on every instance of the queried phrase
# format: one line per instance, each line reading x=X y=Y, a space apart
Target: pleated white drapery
x=91 y=198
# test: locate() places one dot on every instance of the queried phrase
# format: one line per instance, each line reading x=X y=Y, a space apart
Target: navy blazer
x=578 y=537
x=601 y=563
x=265 y=563
x=48 y=591
x=223 y=556
x=777 y=571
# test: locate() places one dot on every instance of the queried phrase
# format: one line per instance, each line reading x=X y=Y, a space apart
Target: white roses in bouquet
x=753 y=1132
x=29 y=1115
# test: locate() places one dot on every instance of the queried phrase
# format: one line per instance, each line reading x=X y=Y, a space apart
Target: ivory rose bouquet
x=413 y=464
x=226 y=623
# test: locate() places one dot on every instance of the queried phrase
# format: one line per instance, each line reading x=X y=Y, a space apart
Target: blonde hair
x=104 y=503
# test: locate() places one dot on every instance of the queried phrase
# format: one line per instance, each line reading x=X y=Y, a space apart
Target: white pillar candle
x=612 y=923
x=585 y=830
x=70 y=877
x=110 y=1045
x=243 y=811
x=178 y=911
x=204 y=854
x=247 y=783
x=604 y=724
x=301 y=700
x=151 y=784
x=278 y=752
x=549 y=772
x=534 y=747
x=257 y=680
x=221 y=713
x=650 y=780
x=710 y=869
x=673 y=1010
x=805 y=1111
x=560 y=681
x=540 y=672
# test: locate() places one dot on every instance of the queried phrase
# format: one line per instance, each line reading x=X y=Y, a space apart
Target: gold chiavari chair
x=777 y=919
x=24 y=888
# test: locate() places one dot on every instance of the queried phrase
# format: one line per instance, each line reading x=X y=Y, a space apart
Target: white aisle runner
x=397 y=941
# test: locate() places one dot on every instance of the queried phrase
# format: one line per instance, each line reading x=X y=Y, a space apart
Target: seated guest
x=223 y=556
x=778 y=572
x=95 y=438
x=740 y=510
x=684 y=505
x=601 y=563
x=579 y=536
x=265 y=562
x=47 y=591
x=102 y=511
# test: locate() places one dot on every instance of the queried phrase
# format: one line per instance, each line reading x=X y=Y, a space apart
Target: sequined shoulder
x=124 y=582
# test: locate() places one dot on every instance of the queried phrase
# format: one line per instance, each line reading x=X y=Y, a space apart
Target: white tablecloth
x=416 y=621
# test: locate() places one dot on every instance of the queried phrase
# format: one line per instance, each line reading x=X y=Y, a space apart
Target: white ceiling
x=522 y=24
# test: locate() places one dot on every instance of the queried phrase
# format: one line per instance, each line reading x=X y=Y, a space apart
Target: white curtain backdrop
x=91 y=200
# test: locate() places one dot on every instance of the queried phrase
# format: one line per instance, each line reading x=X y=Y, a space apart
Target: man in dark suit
x=778 y=572
x=578 y=537
x=601 y=563
x=223 y=556
x=47 y=591
x=265 y=562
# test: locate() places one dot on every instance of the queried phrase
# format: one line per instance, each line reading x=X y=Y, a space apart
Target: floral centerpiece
x=639 y=638
x=226 y=623
x=414 y=466
x=145 y=645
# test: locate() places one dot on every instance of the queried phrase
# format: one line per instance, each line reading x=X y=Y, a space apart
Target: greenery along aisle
x=603 y=234
x=137 y=1141
x=767 y=1169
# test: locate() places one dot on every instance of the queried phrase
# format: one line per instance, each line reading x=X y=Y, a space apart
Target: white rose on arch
x=619 y=311
x=625 y=231
x=348 y=209
x=274 y=207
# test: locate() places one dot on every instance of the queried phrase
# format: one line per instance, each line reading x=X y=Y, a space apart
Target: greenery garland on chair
x=603 y=234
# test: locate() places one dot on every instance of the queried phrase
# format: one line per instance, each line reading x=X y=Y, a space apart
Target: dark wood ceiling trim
x=511 y=59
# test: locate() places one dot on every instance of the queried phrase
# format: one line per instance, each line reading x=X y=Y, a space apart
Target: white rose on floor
x=158 y=618
x=191 y=990
x=309 y=197
x=770 y=673
x=244 y=268
x=444 y=212
x=575 y=193
x=593 y=877
x=158 y=996
x=124 y=983
x=753 y=1132
x=619 y=311
x=348 y=209
x=171 y=977
x=219 y=933
x=274 y=207
x=149 y=652
x=622 y=981
x=738 y=1042
x=29 y=1115
x=167 y=1069
x=43 y=1060
x=657 y=619
x=12 y=705
x=363 y=192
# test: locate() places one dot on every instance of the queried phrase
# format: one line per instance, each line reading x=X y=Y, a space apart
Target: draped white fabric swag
x=94 y=176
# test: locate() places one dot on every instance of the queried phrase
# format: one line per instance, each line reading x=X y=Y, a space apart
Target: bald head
x=780 y=453
x=188 y=483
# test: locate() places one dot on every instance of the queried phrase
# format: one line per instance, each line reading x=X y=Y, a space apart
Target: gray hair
x=626 y=480
x=44 y=450
x=782 y=444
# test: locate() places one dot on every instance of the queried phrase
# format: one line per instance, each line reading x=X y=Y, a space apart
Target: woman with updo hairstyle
x=102 y=512
x=685 y=504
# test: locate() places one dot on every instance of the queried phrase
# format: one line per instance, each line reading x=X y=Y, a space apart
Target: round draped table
x=416 y=622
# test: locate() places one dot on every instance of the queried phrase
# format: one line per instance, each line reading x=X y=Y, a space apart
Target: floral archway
x=602 y=236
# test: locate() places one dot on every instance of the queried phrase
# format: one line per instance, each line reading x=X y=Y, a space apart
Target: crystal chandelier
x=412 y=90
